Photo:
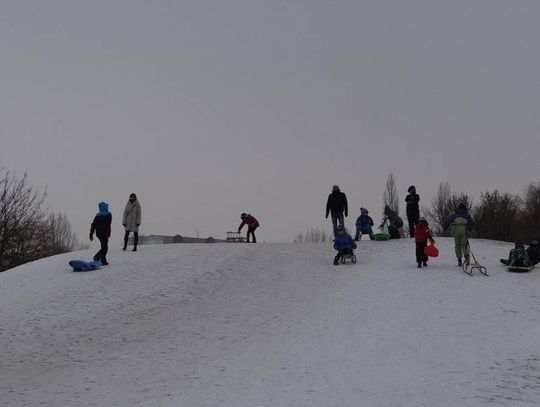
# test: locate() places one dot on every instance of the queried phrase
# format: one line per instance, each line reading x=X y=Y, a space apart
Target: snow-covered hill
x=270 y=325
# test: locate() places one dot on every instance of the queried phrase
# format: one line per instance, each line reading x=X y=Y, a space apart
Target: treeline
x=28 y=230
x=497 y=215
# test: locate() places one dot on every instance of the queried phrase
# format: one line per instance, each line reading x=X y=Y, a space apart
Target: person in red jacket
x=252 y=224
x=421 y=236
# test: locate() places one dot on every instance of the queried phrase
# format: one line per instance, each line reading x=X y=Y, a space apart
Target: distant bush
x=497 y=216
x=312 y=235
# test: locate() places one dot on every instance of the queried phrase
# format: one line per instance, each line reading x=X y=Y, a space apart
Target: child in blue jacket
x=364 y=225
x=343 y=243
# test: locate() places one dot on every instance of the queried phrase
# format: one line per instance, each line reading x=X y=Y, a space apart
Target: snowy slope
x=270 y=325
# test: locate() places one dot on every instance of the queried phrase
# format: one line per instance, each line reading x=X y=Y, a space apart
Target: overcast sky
x=210 y=108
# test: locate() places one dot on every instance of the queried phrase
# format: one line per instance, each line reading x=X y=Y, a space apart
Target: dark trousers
x=135 y=239
x=420 y=255
x=251 y=231
x=337 y=217
x=412 y=226
x=101 y=255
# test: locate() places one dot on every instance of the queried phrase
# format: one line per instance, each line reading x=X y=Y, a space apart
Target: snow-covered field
x=270 y=325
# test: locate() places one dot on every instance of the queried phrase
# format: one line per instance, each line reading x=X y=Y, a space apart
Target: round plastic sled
x=381 y=236
x=431 y=250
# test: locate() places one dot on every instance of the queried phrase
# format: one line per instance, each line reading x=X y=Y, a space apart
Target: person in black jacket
x=101 y=225
x=534 y=251
x=337 y=207
x=413 y=210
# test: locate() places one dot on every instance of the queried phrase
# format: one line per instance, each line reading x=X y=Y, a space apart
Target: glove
x=124 y=225
x=91 y=237
x=326 y=216
x=346 y=214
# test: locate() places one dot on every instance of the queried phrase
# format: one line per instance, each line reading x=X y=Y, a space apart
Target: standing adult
x=462 y=222
x=101 y=226
x=251 y=223
x=337 y=207
x=413 y=210
x=132 y=220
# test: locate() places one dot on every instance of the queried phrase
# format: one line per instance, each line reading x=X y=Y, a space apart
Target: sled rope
x=469 y=268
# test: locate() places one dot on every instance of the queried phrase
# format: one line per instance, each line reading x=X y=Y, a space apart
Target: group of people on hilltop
x=101 y=226
x=338 y=209
x=131 y=220
x=460 y=221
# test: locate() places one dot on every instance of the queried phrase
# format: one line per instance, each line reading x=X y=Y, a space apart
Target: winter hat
x=340 y=228
x=421 y=219
x=462 y=206
x=103 y=207
x=364 y=210
x=132 y=195
x=335 y=188
x=520 y=245
x=243 y=215
x=411 y=188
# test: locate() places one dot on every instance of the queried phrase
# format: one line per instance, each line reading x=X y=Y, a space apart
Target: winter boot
x=459 y=263
x=135 y=241
x=336 y=260
x=419 y=265
x=424 y=263
x=467 y=260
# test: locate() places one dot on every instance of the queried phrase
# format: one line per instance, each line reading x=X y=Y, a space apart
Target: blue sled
x=81 y=265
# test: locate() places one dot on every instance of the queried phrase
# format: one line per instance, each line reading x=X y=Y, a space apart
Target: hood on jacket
x=103 y=207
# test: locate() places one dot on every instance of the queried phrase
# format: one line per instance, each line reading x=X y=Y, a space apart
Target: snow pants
x=366 y=230
x=251 y=231
x=461 y=247
x=420 y=255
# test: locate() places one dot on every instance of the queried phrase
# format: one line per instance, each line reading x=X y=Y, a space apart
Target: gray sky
x=207 y=109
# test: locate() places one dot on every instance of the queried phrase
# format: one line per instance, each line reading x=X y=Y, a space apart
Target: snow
x=270 y=325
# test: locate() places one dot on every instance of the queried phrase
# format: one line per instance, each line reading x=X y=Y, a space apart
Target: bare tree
x=27 y=231
x=442 y=206
x=391 y=197
x=21 y=214
x=57 y=235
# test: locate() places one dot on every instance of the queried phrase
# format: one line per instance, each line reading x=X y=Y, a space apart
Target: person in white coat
x=132 y=220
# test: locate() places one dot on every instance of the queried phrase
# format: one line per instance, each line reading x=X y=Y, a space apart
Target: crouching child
x=343 y=243
x=421 y=236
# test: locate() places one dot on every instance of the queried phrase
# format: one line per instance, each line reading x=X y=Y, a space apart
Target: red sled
x=431 y=250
